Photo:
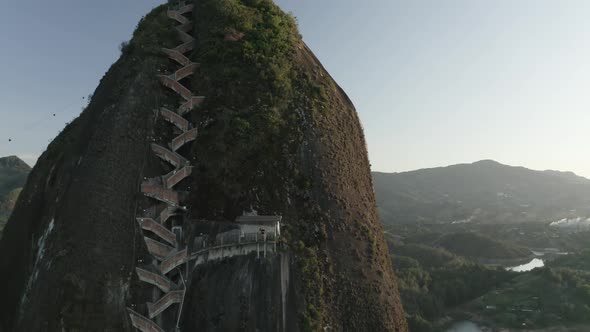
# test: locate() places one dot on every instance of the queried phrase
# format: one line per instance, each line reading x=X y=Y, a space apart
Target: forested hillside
x=481 y=192
x=13 y=174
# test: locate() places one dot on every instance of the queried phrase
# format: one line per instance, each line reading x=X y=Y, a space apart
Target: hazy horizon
x=434 y=83
x=476 y=161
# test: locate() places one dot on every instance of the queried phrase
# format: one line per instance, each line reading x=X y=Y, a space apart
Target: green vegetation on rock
x=153 y=32
x=474 y=245
x=427 y=256
x=433 y=280
x=439 y=279
x=541 y=298
x=577 y=261
x=13 y=174
x=255 y=96
x=258 y=100
x=7 y=203
x=271 y=130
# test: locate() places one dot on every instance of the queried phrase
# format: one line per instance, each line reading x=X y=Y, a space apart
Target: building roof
x=258 y=220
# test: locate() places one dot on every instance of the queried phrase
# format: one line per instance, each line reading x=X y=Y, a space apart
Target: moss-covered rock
x=276 y=134
x=279 y=136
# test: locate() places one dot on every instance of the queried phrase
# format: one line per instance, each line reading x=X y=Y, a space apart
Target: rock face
x=71 y=242
x=276 y=135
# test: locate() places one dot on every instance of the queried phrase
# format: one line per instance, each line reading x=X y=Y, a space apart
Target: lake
x=535 y=263
x=464 y=327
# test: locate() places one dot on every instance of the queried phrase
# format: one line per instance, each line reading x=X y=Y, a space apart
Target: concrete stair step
x=142 y=323
x=175 y=86
x=165 y=302
x=184 y=138
x=177 y=15
x=185 y=47
x=158 y=249
x=160 y=230
x=173 y=178
x=183 y=35
x=175 y=119
x=173 y=261
x=189 y=105
x=171 y=157
x=176 y=56
x=185 y=71
x=158 y=192
x=155 y=279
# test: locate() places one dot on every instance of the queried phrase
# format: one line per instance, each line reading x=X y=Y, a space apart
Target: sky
x=435 y=82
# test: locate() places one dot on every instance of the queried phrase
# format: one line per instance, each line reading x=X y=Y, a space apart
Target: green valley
x=452 y=238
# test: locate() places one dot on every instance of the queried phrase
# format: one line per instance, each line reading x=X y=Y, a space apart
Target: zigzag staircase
x=162 y=243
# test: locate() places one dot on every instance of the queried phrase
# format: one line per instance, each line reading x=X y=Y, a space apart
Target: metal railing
x=232 y=238
x=203 y=244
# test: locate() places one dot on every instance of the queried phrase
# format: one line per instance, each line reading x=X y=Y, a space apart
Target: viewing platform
x=253 y=234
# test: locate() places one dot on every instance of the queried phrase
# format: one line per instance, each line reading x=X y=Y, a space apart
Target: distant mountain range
x=13 y=174
x=482 y=192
